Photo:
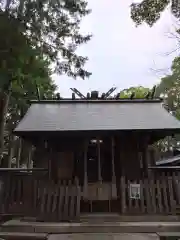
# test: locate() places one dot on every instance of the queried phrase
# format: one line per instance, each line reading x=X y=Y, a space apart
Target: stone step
x=101 y=217
x=106 y=227
x=80 y=236
x=23 y=236
x=102 y=236
x=165 y=235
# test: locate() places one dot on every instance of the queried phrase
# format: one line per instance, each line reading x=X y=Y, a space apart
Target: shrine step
x=22 y=236
x=89 y=227
x=102 y=236
x=113 y=217
x=99 y=217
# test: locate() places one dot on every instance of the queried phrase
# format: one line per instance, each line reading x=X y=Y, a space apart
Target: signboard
x=134 y=191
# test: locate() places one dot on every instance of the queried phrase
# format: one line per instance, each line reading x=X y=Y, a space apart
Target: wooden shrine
x=95 y=155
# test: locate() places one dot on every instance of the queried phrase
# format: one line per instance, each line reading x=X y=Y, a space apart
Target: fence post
x=123 y=194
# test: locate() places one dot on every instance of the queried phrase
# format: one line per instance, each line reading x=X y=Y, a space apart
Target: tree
x=139 y=91
x=21 y=68
x=167 y=143
x=169 y=89
x=37 y=33
x=53 y=28
x=18 y=104
x=149 y=11
x=14 y=53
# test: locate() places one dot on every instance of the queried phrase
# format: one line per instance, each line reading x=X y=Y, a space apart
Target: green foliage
x=34 y=35
x=52 y=28
x=169 y=88
x=21 y=67
x=149 y=11
x=139 y=91
x=20 y=63
x=14 y=51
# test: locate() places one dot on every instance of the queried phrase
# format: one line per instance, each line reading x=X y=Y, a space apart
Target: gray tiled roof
x=84 y=116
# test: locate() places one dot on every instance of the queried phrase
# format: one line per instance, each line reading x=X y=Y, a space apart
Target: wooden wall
x=131 y=158
x=60 y=164
x=65 y=162
x=41 y=158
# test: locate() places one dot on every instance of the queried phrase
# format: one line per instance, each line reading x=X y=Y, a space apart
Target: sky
x=120 y=54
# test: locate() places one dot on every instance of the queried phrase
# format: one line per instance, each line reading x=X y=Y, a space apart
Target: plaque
x=134 y=190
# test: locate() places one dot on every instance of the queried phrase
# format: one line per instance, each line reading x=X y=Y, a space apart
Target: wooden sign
x=134 y=191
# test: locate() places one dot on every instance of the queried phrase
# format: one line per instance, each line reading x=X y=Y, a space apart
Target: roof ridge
x=69 y=100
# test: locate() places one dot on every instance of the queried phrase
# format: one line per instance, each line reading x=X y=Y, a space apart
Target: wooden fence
x=59 y=202
x=27 y=195
x=160 y=194
x=45 y=200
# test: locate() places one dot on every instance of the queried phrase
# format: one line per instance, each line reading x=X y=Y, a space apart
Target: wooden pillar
x=151 y=156
x=50 y=163
x=113 y=189
x=157 y=155
x=145 y=156
x=99 y=190
x=123 y=194
x=112 y=158
x=19 y=153
x=148 y=162
x=85 y=193
x=99 y=160
x=74 y=173
x=121 y=154
x=29 y=157
x=11 y=150
x=140 y=158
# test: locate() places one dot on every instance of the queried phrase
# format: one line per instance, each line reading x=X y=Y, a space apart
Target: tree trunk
x=3 y=113
x=19 y=153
